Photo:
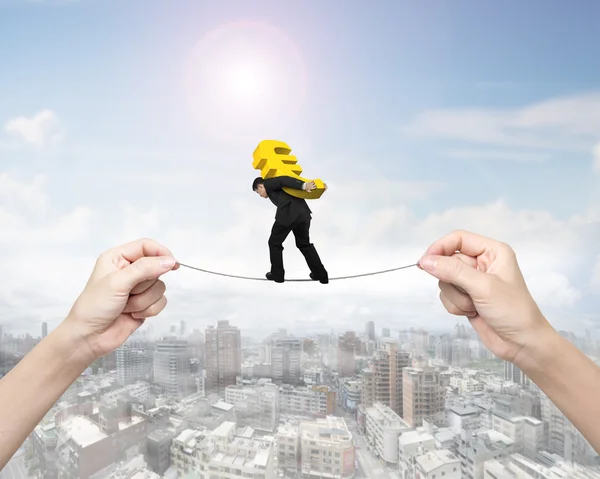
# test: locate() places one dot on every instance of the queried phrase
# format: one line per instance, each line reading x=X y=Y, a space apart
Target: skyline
x=420 y=120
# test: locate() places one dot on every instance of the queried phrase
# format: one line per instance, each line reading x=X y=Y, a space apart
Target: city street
x=369 y=464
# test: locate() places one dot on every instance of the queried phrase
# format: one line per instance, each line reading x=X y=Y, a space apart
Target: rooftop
x=464 y=410
x=223 y=406
x=82 y=430
x=225 y=429
x=435 y=459
x=415 y=437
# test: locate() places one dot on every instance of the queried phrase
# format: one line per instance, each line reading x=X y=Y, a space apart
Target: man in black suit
x=293 y=214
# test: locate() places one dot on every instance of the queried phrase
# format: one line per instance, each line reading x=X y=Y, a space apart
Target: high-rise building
x=348 y=343
x=385 y=332
x=424 y=395
x=383 y=382
x=223 y=357
x=44 y=330
x=514 y=374
x=172 y=367
x=133 y=365
x=286 y=359
x=370 y=330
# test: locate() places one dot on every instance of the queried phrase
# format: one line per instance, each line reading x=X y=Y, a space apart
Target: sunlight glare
x=245 y=80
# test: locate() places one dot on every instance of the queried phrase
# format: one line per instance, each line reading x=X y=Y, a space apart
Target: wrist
x=72 y=345
x=541 y=352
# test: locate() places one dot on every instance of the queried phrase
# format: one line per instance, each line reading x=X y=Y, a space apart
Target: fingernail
x=428 y=263
x=168 y=262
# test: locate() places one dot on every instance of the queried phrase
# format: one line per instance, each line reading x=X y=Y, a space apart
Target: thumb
x=450 y=269
x=144 y=269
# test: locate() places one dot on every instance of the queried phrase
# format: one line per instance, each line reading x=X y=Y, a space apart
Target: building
x=475 y=449
x=411 y=445
x=383 y=429
x=172 y=367
x=133 y=365
x=86 y=447
x=424 y=396
x=347 y=344
x=158 y=451
x=439 y=463
x=519 y=467
x=44 y=330
x=286 y=360
x=370 y=331
x=308 y=400
x=513 y=374
x=288 y=449
x=527 y=433
x=351 y=391
x=256 y=407
x=327 y=448
x=223 y=357
x=225 y=453
x=383 y=381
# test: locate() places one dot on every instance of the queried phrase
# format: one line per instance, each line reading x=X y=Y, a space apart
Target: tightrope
x=296 y=279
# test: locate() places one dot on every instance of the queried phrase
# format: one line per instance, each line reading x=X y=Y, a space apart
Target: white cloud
x=42 y=130
x=50 y=255
x=568 y=123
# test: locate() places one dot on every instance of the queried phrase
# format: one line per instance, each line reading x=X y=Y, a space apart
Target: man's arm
x=279 y=182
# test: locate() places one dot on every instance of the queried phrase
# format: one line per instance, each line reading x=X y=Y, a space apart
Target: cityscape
x=378 y=403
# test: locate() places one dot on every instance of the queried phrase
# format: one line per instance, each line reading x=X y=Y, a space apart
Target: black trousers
x=301 y=229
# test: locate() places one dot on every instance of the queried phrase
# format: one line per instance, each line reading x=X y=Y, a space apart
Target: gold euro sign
x=273 y=159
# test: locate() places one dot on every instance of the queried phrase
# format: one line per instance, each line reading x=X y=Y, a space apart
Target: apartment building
x=223 y=453
x=383 y=429
x=423 y=396
x=327 y=448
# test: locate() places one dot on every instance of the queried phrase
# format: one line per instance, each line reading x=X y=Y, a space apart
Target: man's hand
x=309 y=186
x=481 y=279
x=121 y=293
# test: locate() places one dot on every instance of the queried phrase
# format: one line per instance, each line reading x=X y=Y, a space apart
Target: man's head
x=258 y=185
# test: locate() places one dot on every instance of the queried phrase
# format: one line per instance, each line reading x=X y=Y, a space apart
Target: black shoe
x=270 y=277
x=323 y=278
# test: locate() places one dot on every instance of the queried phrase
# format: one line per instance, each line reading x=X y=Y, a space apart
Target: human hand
x=309 y=186
x=481 y=279
x=123 y=290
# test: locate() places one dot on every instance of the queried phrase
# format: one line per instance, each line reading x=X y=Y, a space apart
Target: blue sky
x=456 y=105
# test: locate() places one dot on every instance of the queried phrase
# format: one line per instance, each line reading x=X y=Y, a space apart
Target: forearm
x=570 y=379
x=34 y=385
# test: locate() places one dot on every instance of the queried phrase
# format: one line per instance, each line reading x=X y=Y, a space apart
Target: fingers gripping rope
x=298 y=280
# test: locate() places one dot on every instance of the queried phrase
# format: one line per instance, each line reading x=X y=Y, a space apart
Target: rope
x=298 y=280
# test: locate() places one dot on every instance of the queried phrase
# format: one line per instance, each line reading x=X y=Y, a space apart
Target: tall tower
x=424 y=396
x=172 y=367
x=384 y=382
x=370 y=330
x=44 y=330
x=223 y=357
x=286 y=359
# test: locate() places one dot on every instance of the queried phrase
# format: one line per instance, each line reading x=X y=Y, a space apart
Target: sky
x=121 y=120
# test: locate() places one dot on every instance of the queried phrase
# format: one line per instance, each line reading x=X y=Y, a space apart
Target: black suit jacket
x=288 y=207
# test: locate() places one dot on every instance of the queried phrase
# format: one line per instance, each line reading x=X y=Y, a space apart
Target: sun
x=245 y=80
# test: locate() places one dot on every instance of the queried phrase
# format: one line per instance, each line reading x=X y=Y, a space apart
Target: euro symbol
x=273 y=159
